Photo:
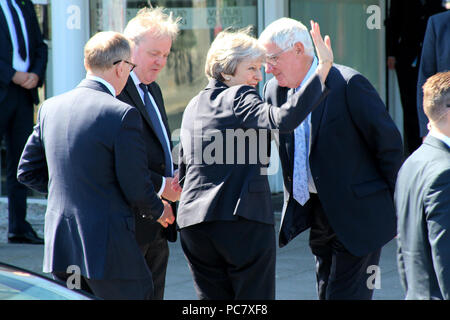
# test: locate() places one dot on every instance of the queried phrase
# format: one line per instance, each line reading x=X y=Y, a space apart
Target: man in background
x=405 y=28
x=23 y=61
x=435 y=58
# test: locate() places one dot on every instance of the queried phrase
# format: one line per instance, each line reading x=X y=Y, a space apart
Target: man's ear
x=299 y=48
x=119 y=69
x=227 y=77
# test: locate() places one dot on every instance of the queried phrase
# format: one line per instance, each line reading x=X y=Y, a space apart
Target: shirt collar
x=135 y=78
x=311 y=71
x=441 y=137
x=102 y=81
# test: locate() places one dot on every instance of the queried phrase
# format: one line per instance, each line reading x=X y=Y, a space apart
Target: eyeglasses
x=128 y=62
x=272 y=59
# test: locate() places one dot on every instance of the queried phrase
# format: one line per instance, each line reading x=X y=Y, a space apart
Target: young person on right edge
x=339 y=166
x=422 y=200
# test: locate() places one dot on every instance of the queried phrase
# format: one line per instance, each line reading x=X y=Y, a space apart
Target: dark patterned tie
x=19 y=31
x=157 y=126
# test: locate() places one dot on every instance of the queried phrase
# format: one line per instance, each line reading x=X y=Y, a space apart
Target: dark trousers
x=339 y=274
x=231 y=260
x=139 y=289
x=156 y=254
x=16 y=124
x=407 y=82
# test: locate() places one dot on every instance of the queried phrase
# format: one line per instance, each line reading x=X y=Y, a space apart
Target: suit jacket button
x=289 y=179
x=163 y=166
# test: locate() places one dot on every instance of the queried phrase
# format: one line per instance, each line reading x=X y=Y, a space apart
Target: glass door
x=347 y=22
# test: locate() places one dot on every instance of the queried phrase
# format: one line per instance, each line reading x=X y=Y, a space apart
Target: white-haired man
x=339 y=166
x=151 y=34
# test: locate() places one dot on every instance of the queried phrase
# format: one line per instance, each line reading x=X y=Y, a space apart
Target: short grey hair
x=105 y=48
x=228 y=50
x=152 y=20
x=285 y=32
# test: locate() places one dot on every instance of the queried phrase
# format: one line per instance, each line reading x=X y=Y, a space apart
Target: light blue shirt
x=311 y=71
x=18 y=63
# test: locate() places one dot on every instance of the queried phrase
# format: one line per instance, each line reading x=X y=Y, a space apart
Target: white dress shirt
x=18 y=63
x=137 y=82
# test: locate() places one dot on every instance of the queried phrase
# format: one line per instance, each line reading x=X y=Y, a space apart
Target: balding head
x=104 y=49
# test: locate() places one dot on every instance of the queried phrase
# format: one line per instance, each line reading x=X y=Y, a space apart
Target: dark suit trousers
x=156 y=254
x=339 y=274
x=136 y=289
x=231 y=260
x=16 y=124
x=407 y=82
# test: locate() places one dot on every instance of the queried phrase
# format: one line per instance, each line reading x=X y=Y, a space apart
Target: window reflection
x=354 y=45
x=183 y=77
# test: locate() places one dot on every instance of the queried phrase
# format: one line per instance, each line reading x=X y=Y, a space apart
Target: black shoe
x=28 y=237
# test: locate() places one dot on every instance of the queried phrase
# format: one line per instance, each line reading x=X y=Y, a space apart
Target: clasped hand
x=27 y=80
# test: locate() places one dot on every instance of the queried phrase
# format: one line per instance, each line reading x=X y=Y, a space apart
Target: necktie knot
x=143 y=87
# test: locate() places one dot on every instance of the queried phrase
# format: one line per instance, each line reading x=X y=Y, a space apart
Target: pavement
x=295 y=276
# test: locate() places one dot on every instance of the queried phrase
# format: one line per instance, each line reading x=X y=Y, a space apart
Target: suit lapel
x=136 y=100
x=316 y=119
x=317 y=114
x=160 y=105
x=4 y=25
x=288 y=139
x=131 y=90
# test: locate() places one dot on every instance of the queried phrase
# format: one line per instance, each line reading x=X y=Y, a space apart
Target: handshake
x=172 y=193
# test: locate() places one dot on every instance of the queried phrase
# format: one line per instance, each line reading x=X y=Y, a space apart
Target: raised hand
x=323 y=50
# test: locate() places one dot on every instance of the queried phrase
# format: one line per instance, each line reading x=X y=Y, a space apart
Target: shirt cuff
x=163 y=185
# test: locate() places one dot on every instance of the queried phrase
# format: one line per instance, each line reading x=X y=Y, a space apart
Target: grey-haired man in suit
x=87 y=153
x=23 y=61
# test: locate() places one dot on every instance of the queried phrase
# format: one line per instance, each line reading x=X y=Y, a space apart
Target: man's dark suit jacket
x=146 y=230
x=37 y=50
x=87 y=152
x=355 y=155
x=435 y=58
x=422 y=200
x=229 y=184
